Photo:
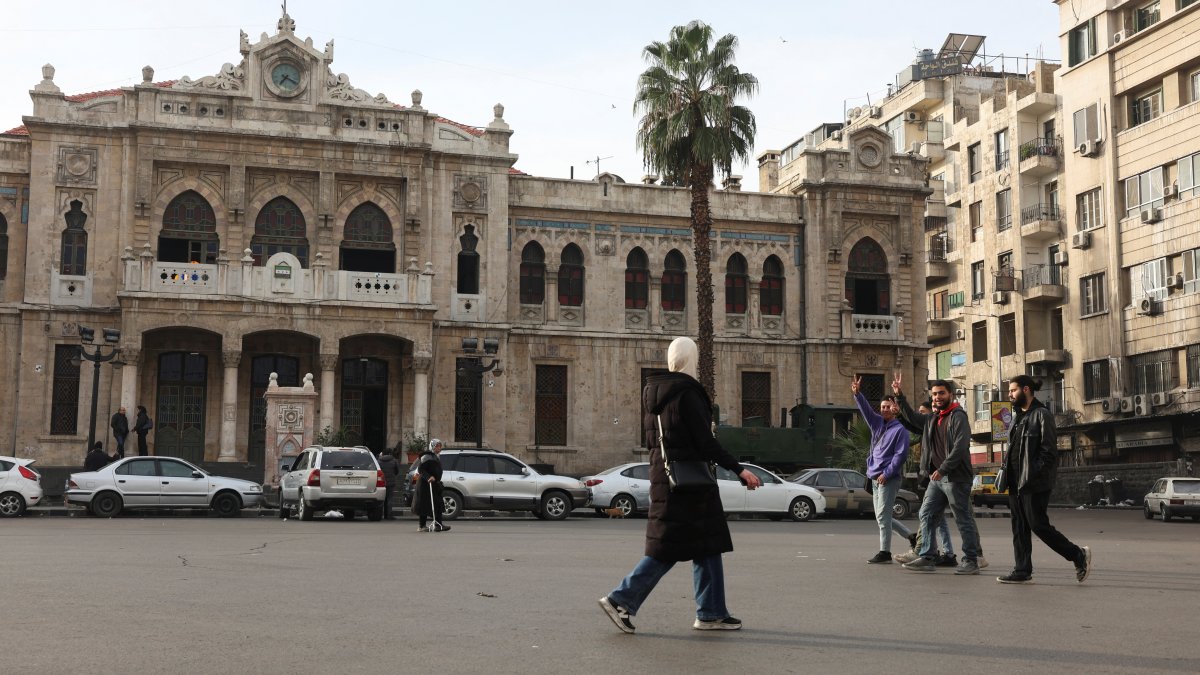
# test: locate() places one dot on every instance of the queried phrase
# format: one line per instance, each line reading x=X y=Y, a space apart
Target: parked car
x=625 y=487
x=983 y=490
x=328 y=478
x=159 y=482
x=1171 y=497
x=20 y=486
x=846 y=493
x=776 y=498
x=487 y=479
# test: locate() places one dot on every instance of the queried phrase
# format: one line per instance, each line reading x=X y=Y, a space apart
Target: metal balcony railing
x=1005 y=279
x=1032 y=214
x=1046 y=147
x=1001 y=160
x=1042 y=274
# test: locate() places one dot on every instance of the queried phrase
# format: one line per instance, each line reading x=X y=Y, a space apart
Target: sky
x=566 y=72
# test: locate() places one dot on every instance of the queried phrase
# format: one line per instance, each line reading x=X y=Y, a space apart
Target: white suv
x=485 y=479
x=323 y=479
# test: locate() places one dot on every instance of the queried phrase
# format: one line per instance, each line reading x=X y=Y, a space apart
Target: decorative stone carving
x=869 y=155
x=470 y=192
x=416 y=99
x=286 y=24
x=47 y=84
x=231 y=358
x=77 y=166
x=244 y=43
x=338 y=88
x=606 y=244
x=673 y=319
x=148 y=73
x=229 y=78
x=329 y=361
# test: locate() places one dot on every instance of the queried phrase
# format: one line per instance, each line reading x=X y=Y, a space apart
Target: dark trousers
x=430 y=507
x=1029 y=517
x=387 y=501
x=142 y=449
x=120 y=445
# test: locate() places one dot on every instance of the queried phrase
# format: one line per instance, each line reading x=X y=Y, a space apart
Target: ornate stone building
x=272 y=218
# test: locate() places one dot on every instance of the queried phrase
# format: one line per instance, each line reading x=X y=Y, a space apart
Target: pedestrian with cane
x=427 y=492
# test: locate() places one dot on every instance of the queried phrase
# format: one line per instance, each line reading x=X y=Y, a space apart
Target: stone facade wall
x=1136 y=480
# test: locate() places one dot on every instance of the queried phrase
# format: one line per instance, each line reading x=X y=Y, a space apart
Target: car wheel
x=284 y=510
x=977 y=502
x=1166 y=515
x=626 y=503
x=348 y=514
x=1147 y=512
x=900 y=509
x=801 y=509
x=375 y=515
x=451 y=505
x=227 y=505
x=556 y=505
x=106 y=504
x=303 y=510
x=11 y=505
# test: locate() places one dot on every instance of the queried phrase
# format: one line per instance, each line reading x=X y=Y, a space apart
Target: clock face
x=286 y=77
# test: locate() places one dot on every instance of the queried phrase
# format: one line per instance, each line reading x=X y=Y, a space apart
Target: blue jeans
x=941 y=530
x=884 y=497
x=708 y=575
x=939 y=495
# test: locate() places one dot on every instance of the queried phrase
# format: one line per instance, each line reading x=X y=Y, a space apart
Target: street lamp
x=87 y=335
x=476 y=369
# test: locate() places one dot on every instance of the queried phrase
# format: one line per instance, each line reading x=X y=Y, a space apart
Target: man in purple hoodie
x=885 y=466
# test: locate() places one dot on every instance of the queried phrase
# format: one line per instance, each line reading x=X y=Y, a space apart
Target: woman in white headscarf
x=427 y=491
x=682 y=525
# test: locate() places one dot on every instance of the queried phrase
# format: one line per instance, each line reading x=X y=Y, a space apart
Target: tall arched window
x=189 y=231
x=770 y=290
x=637 y=279
x=533 y=274
x=280 y=228
x=570 y=277
x=674 y=282
x=367 y=244
x=736 y=282
x=74 y=242
x=3 y=248
x=867 y=281
x=468 y=262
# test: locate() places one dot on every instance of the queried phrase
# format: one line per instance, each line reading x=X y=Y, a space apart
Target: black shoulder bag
x=685 y=475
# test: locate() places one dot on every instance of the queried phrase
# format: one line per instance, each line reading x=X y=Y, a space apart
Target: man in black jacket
x=390 y=468
x=120 y=429
x=1030 y=469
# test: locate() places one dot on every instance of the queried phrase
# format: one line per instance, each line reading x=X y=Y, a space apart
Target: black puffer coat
x=683 y=526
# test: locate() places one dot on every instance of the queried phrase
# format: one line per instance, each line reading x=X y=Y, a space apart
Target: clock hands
x=286 y=78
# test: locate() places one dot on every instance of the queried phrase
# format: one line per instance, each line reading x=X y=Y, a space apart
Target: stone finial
x=329 y=52
x=274 y=383
x=48 y=73
x=243 y=42
x=47 y=83
x=416 y=99
x=650 y=179
x=498 y=123
x=308 y=382
x=147 y=74
x=286 y=24
x=498 y=110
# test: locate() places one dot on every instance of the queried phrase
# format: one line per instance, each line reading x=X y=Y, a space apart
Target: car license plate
x=349 y=481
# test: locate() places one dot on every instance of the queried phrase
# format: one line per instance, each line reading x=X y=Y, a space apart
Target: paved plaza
x=259 y=595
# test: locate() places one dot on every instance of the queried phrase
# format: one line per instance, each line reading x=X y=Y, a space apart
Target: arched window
x=189 y=231
x=637 y=279
x=279 y=228
x=674 y=282
x=570 y=277
x=468 y=262
x=867 y=281
x=3 y=248
x=367 y=244
x=770 y=290
x=736 y=282
x=74 y=242
x=533 y=274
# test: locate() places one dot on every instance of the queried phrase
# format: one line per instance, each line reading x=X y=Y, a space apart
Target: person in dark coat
x=390 y=468
x=120 y=429
x=97 y=459
x=681 y=525
x=141 y=427
x=427 y=491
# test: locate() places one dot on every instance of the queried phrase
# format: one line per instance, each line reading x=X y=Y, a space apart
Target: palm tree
x=690 y=130
x=852 y=447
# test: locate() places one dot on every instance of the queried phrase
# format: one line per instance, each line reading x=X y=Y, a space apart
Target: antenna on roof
x=597 y=163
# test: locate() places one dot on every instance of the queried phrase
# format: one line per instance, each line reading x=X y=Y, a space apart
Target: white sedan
x=20 y=486
x=627 y=487
x=159 y=482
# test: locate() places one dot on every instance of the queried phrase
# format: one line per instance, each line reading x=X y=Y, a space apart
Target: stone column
x=422 y=360
x=228 y=447
x=129 y=382
x=328 y=369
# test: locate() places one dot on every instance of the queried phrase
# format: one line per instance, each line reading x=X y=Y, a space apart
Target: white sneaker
x=903 y=558
x=981 y=561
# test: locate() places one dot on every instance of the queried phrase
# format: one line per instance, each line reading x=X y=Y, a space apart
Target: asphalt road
x=259 y=595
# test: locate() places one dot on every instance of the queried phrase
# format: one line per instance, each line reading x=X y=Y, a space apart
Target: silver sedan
x=159 y=482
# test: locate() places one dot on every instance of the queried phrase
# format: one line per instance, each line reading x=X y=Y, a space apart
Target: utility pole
x=597 y=163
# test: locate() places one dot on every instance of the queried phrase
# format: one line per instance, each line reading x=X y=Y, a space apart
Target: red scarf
x=942 y=414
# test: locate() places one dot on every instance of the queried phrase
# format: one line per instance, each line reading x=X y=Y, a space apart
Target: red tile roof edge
x=16 y=131
x=92 y=95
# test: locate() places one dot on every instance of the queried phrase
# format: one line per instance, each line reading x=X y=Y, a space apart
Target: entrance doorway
x=288 y=369
x=179 y=413
x=364 y=400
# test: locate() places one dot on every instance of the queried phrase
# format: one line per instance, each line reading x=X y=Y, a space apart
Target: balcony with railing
x=936 y=265
x=939 y=326
x=870 y=327
x=1040 y=157
x=1041 y=222
x=1044 y=284
x=282 y=278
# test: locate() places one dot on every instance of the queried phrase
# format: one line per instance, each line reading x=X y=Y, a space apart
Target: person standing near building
x=120 y=429
x=142 y=426
x=885 y=467
x=681 y=525
x=427 y=489
x=1031 y=467
x=390 y=468
x=945 y=546
x=946 y=459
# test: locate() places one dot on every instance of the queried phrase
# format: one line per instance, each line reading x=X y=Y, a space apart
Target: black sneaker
x=618 y=614
x=912 y=541
x=728 y=623
x=438 y=527
x=1083 y=566
x=1015 y=577
x=946 y=561
x=882 y=557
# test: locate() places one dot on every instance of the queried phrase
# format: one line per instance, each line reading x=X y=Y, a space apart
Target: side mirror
x=285 y=468
x=197 y=474
x=524 y=471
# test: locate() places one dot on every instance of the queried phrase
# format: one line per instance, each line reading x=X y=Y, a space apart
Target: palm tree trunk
x=701 y=226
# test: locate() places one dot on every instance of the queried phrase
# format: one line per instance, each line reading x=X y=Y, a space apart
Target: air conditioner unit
x=991 y=395
x=1148 y=306
x=1089 y=148
x=960 y=334
x=1081 y=240
x=1118 y=36
x=1141 y=405
x=1059 y=258
x=1158 y=399
x=1111 y=405
x=1151 y=215
x=912 y=116
x=874 y=111
x=1171 y=191
x=1127 y=404
x=836 y=135
x=1039 y=371
x=1000 y=297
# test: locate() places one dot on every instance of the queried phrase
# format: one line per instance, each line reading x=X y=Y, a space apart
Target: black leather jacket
x=1032 y=462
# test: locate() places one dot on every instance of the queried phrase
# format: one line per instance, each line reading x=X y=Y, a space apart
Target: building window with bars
x=756 y=399
x=1095 y=380
x=1154 y=372
x=570 y=277
x=872 y=388
x=1193 y=366
x=637 y=280
x=770 y=290
x=550 y=406
x=533 y=274
x=466 y=400
x=74 y=242
x=674 y=283
x=736 y=282
x=64 y=402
